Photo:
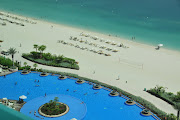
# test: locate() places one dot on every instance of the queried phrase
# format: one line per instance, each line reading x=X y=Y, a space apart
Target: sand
x=140 y=65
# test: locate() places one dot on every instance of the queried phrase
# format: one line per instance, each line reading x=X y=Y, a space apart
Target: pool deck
x=17 y=106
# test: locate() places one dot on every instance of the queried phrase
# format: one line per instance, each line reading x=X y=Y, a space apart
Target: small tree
x=35 y=65
x=25 y=63
x=171 y=117
x=12 y=51
x=36 y=47
x=177 y=107
x=56 y=99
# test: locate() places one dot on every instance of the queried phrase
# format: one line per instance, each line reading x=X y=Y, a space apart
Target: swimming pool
x=99 y=106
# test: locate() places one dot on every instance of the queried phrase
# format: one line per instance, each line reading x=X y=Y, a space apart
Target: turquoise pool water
x=100 y=106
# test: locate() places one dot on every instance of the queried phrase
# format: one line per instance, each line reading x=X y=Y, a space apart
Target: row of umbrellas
x=17 y=23
x=102 y=40
x=85 y=48
x=93 y=44
x=16 y=18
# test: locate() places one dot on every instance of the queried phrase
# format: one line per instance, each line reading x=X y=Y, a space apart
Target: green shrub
x=171 y=117
x=6 y=62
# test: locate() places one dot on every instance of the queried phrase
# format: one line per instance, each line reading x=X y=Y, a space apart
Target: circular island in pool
x=53 y=109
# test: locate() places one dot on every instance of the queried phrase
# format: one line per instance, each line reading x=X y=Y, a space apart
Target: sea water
x=149 y=21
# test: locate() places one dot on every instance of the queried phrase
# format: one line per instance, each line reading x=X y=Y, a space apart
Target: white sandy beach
x=140 y=65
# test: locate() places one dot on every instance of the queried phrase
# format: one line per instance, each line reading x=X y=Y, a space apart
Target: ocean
x=149 y=21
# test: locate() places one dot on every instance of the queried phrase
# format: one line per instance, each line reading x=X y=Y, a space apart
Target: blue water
x=150 y=21
x=100 y=106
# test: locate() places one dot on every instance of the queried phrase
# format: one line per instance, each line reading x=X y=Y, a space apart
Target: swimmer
x=74 y=90
x=95 y=92
x=15 y=83
x=35 y=81
x=27 y=93
x=67 y=90
x=85 y=94
x=38 y=80
x=82 y=102
x=34 y=112
x=37 y=85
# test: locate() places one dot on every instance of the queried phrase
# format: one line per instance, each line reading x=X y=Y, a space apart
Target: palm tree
x=12 y=51
x=56 y=99
x=177 y=107
x=42 y=48
x=36 y=47
x=35 y=65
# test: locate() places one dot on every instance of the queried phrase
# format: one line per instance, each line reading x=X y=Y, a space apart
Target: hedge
x=48 y=63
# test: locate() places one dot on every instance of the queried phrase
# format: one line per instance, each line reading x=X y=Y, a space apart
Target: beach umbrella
x=4 y=98
x=160 y=45
x=23 y=97
x=73 y=119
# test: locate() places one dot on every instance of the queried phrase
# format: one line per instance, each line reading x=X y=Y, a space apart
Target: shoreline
x=95 y=33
